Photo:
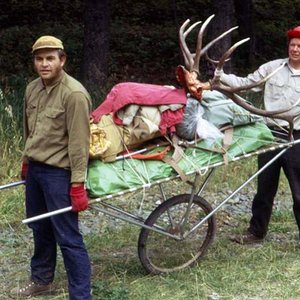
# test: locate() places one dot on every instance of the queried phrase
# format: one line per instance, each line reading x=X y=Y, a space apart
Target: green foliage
x=10 y=133
x=109 y=292
x=143 y=36
x=144 y=39
x=271 y=28
x=154 y=48
x=11 y=206
x=22 y=22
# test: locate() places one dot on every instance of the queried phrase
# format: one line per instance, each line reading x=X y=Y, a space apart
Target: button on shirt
x=56 y=125
x=281 y=91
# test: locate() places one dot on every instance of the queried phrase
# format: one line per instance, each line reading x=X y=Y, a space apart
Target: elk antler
x=192 y=59
x=188 y=75
x=231 y=92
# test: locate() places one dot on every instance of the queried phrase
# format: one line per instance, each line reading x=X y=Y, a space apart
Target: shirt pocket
x=277 y=89
x=294 y=96
x=54 y=120
x=31 y=114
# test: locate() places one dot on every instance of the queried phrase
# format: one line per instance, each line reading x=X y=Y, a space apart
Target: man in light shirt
x=281 y=91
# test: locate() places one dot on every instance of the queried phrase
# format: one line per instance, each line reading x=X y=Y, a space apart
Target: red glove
x=79 y=198
x=24 y=170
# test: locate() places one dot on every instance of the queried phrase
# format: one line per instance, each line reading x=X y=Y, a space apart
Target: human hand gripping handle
x=79 y=198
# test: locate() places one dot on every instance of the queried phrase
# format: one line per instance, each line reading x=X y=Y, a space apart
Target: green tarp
x=109 y=178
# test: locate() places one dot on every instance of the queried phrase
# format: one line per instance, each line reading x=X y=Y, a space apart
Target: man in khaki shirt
x=56 y=134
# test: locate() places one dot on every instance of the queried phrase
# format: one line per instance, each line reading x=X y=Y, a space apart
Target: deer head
x=188 y=75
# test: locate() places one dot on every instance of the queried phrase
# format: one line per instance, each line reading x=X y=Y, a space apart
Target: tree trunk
x=94 y=66
x=223 y=20
x=244 y=16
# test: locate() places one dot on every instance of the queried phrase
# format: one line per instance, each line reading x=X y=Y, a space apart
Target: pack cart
x=182 y=227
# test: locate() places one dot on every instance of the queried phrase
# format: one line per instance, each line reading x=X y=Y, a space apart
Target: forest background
x=112 y=41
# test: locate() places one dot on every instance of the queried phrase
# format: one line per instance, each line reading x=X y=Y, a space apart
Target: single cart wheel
x=159 y=253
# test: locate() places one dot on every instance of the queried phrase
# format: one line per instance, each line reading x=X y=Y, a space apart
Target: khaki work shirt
x=56 y=125
x=281 y=91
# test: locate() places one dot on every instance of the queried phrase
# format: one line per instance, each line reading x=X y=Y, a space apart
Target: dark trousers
x=267 y=185
x=47 y=189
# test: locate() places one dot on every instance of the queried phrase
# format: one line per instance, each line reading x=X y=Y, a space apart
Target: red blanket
x=127 y=93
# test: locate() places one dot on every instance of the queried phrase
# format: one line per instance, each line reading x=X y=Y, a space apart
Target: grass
x=228 y=271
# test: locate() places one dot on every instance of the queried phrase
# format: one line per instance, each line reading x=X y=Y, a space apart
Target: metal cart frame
x=180 y=229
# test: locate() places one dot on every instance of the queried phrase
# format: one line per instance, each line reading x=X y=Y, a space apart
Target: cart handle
x=46 y=215
x=10 y=185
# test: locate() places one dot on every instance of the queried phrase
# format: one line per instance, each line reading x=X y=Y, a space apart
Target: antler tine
x=187 y=55
x=225 y=56
x=284 y=114
x=279 y=114
x=210 y=44
x=219 y=69
x=229 y=52
x=214 y=62
x=250 y=86
x=267 y=77
x=191 y=28
x=202 y=30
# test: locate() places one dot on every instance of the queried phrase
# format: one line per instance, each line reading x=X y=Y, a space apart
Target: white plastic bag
x=206 y=130
x=194 y=126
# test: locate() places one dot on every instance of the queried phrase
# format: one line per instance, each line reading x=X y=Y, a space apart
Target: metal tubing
x=125 y=213
x=46 y=215
x=236 y=191
x=164 y=199
x=204 y=184
x=132 y=219
x=189 y=207
x=136 y=222
x=66 y=209
x=10 y=185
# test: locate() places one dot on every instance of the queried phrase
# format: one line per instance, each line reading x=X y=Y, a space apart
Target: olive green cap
x=47 y=41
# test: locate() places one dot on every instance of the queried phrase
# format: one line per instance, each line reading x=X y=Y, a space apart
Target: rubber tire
x=145 y=251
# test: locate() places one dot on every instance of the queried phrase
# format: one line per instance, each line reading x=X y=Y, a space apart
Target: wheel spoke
x=162 y=254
